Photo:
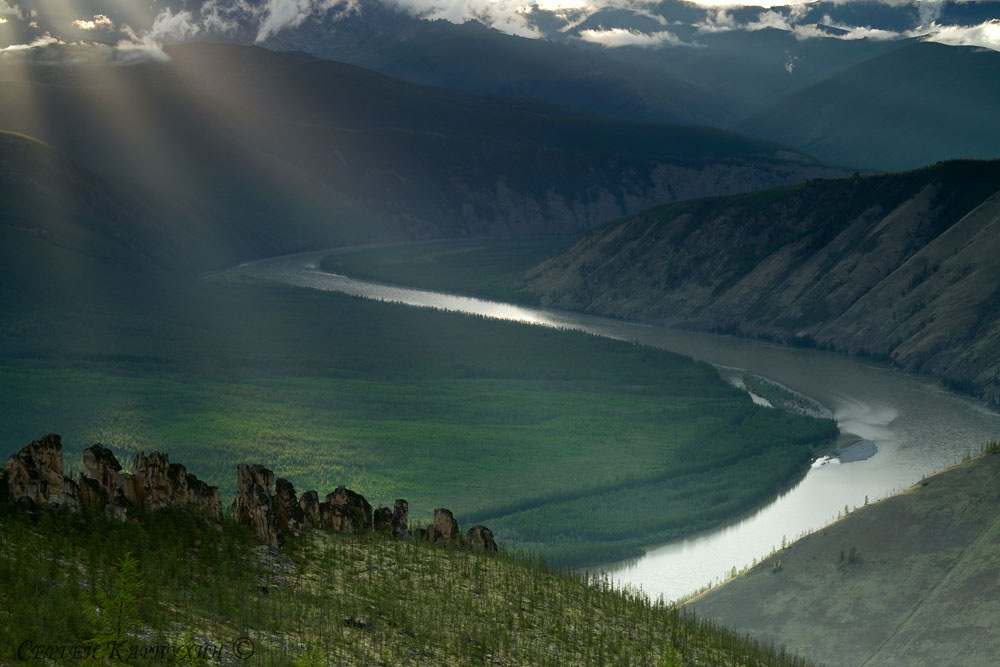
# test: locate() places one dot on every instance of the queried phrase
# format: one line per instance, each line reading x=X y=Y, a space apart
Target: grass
x=330 y=599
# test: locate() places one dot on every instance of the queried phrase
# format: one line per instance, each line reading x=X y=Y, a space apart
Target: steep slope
x=902 y=267
x=910 y=580
x=301 y=151
x=907 y=108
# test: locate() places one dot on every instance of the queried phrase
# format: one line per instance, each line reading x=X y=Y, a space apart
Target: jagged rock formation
x=394 y=521
x=35 y=474
x=401 y=519
x=157 y=483
x=310 y=508
x=480 y=539
x=252 y=506
x=382 y=519
x=444 y=529
x=102 y=470
x=348 y=511
x=287 y=511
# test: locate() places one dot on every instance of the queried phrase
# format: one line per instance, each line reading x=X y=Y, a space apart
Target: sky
x=126 y=30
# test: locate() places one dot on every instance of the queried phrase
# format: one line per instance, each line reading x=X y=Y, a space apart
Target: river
x=918 y=427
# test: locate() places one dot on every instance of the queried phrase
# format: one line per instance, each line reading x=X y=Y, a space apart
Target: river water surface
x=918 y=428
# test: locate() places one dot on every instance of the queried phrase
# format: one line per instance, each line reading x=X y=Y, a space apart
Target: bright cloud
x=985 y=35
x=616 y=37
x=281 y=14
x=769 y=20
x=99 y=21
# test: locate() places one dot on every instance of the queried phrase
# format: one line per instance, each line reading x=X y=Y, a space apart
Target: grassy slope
x=921 y=590
x=419 y=604
x=900 y=267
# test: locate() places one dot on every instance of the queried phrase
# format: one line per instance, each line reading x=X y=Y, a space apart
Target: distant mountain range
x=899 y=267
x=289 y=151
x=909 y=107
x=843 y=81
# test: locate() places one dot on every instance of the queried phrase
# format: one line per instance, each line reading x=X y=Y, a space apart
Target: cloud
x=132 y=48
x=717 y=20
x=227 y=16
x=985 y=35
x=617 y=37
x=769 y=19
x=7 y=9
x=99 y=21
x=280 y=14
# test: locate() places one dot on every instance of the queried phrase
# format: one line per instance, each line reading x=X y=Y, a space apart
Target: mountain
x=908 y=580
x=906 y=108
x=901 y=267
x=301 y=152
x=472 y=57
x=758 y=69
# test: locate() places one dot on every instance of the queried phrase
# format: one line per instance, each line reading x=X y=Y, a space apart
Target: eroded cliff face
x=904 y=267
x=34 y=478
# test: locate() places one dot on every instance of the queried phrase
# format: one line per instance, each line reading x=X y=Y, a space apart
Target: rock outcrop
x=252 y=506
x=382 y=518
x=444 y=529
x=401 y=519
x=480 y=539
x=287 y=511
x=36 y=472
x=346 y=512
x=103 y=472
x=309 y=502
x=157 y=483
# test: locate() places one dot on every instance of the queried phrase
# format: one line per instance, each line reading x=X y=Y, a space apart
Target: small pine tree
x=117 y=612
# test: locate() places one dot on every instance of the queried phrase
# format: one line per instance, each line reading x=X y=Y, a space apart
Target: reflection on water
x=917 y=427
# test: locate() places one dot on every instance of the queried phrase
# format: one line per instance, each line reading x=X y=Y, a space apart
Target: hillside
x=901 y=267
x=297 y=152
x=904 y=109
x=909 y=580
x=166 y=583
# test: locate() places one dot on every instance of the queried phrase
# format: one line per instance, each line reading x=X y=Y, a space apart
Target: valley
x=918 y=427
x=690 y=304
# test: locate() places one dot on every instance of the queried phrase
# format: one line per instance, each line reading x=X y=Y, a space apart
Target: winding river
x=918 y=427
